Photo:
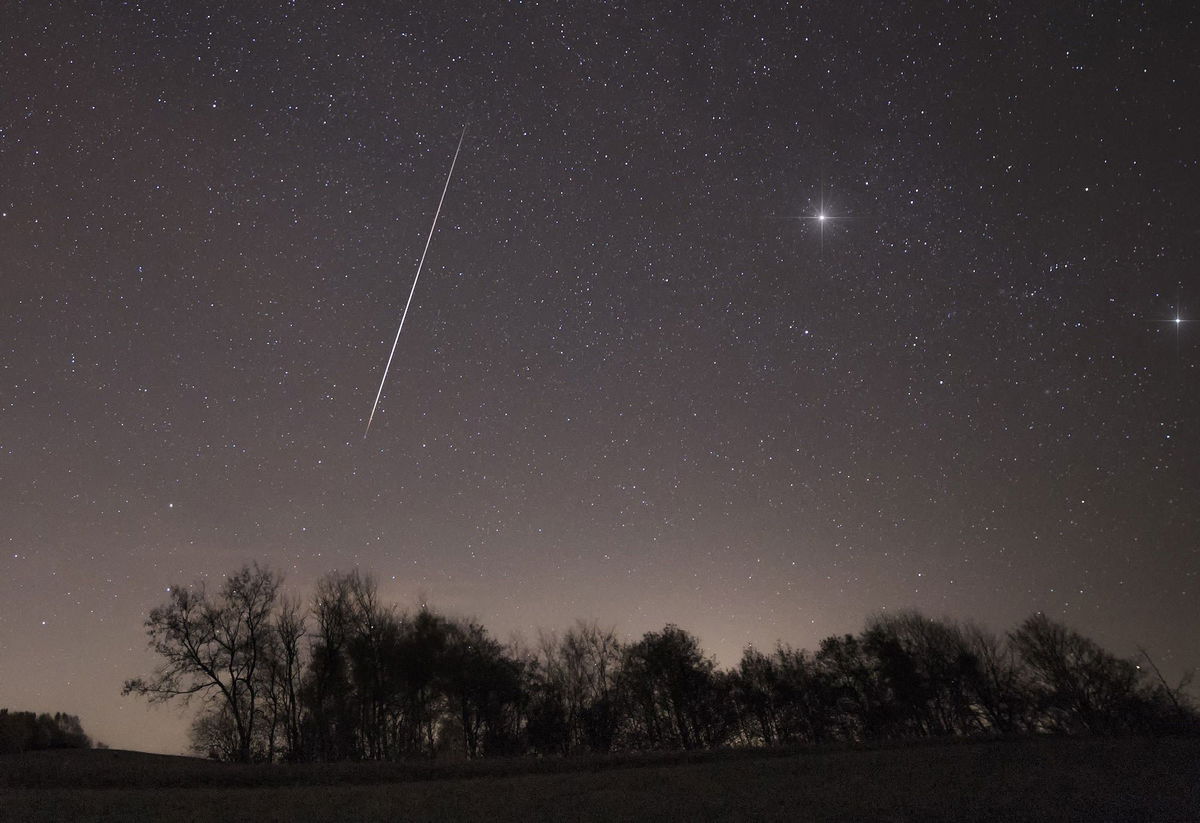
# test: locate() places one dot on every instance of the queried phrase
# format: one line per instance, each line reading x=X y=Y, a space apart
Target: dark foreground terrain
x=1024 y=780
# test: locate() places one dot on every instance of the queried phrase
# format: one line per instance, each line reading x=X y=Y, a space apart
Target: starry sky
x=640 y=381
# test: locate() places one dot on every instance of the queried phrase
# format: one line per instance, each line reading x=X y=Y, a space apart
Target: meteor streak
x=413 y=290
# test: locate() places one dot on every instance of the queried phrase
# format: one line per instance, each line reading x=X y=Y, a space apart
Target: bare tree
x=927 y=664
x=673 y=691
x=214 y=647
x=577 y=675
x=1182 y=708
x=1080 y=686
x=998 y=687
x=327 y=685
x=756 y=685
x=282 y=675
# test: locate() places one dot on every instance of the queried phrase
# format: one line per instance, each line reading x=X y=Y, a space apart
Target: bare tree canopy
x=214 y=646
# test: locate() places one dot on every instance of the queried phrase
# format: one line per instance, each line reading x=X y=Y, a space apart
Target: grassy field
x=1024 y=780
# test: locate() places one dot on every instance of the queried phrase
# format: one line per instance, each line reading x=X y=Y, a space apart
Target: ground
x=1020 y=780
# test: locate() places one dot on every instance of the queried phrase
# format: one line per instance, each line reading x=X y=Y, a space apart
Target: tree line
x=27 y=731
x=348 y=677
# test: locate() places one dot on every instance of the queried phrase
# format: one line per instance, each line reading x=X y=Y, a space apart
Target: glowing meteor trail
x=413 y=290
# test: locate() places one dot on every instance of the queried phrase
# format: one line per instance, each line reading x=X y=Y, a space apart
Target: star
x=822 y=218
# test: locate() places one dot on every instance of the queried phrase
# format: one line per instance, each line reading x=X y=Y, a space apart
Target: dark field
x=1026 y=780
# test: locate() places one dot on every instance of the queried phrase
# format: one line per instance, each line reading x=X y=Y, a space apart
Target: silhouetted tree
x=326 y=690
x=282 y=679
x=854 y=696
x=757 y=690
x=214 y=647
x=547 y=729
x=373 y=633
x=673 y=692
x=998 y=685
x=483 y=687
x=926 y=665
x=26 y=731
x=419 y=662
x=783 y=697
x=1078 y=686
x=574 y=690
x=810 y=698
x=1176 y=708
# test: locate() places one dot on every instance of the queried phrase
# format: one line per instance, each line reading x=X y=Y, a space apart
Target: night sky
x=640 y=381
